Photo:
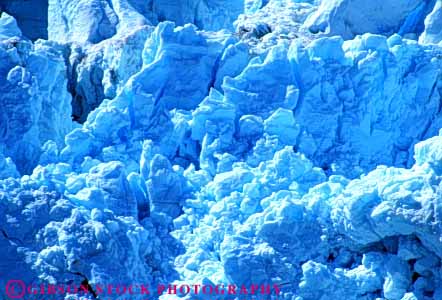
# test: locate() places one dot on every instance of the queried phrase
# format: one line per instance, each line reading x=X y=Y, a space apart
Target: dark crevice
x=414 y=277
x=85 y=285
x=11 y=239
x=331 y=258
x=257 y=31
x=72 y=85
x=86 y=95
x=429 y=294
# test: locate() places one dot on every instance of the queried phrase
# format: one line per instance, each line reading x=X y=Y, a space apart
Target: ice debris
x=212 y=157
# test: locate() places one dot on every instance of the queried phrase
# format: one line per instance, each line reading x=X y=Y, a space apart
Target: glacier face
x=268 y=142
x=34 y=98
x=95 y=21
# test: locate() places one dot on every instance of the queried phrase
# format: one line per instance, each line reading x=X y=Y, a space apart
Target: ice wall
x=94 y=21
x=433 y=23
x=267 y=154
x=35 y=102
x=350 y=18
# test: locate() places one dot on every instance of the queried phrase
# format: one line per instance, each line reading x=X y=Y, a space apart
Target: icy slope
x=268 y=155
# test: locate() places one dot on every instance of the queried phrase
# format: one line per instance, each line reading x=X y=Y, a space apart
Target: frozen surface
x=433 y=22
x=349 y=18
x=269 y=142
x=94 y=21
x=31 y=15
x=34 y=99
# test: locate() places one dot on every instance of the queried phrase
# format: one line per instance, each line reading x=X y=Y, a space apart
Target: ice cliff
x=281 y=142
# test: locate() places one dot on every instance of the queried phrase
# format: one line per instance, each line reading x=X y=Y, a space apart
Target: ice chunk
x=7 y=168
x=180 y=61
x=90 y=21
x=349 y=18
x=8 y=27
x=433 y=23
x=36 y=103
x=282 y=124
x=164 y=187
x=429 y=152
x=111 y=180
x=206 y=159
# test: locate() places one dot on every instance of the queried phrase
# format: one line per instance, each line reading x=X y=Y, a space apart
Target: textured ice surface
x=9 y=27
x=33 y=96
x=94 y=21
x=433 y=22
x=349 y=18
x=264 y=23
x=297 y=146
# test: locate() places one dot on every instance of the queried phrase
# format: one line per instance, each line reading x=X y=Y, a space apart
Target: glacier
x=295 y=143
